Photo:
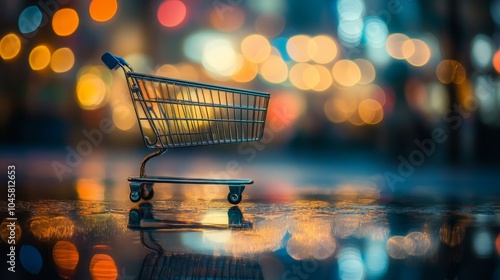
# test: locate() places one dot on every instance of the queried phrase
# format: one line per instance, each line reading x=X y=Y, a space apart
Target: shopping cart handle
x=113 y=61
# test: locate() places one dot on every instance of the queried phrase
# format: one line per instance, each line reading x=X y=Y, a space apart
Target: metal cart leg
x=144 y=190
x=156 y=153
x=235 y=191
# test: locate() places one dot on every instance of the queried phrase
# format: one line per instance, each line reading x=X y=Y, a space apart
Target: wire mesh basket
x=175 y=113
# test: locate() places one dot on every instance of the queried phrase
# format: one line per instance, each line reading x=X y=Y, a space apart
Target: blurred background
x=345 y=76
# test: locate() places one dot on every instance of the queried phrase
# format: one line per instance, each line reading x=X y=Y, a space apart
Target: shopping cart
x=175 y=113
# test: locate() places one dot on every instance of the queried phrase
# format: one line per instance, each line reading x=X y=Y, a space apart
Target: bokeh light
x=370 y=111
x=62 y=60
x=123 y=117
x=39 y=57
x=367 y=71
x=450 y=71
x=171 y=13
x=297 y=48
x=30 y=19
x=103 y=10
x=496 y=61
x=45 y=228
x=89 y=189
x=90 y=91
x=416 y=52
x=274 y=70
x=229 y=21
x=375 y=32
x=65 y=255
x=340 y=107
x=220 y=58
x=325 y=78
x=482 y=51
x=10 y=45
x=346 y=72
x=394 y=45
x=65 y=22
x=247 y=72
x=103 y=267
x=269 y=24
x=322 y=49
x=417 y=243
x=5 y=231
x=256 y=48
x=395 y=247
x=304 y=76
x=350 y=264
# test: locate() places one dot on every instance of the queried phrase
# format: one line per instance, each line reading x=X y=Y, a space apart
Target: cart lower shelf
x=142 y=187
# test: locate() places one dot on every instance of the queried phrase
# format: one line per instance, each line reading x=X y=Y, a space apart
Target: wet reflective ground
x=312 y=224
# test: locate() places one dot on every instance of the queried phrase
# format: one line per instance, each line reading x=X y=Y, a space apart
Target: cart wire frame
x=174 y=113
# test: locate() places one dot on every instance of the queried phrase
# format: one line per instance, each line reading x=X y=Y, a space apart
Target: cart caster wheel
x=147 y=191
x=234 y=198
x=135 y=196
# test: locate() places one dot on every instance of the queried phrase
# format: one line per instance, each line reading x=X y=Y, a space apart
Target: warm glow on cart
x=10 y=45
x=102 y=10
x=62 y=60
x=65 y=22
x=39 y=57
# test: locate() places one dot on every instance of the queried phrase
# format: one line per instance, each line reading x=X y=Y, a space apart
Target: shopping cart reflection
x=171 y=256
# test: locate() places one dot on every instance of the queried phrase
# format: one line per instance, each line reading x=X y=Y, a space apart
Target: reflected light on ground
x=90 y=189
x=350 y=263
x=62 y=60
x=31 y=259
x=10 y=45
x=171 y=13
x=103 y=10
x=416 y=243
x=65 y=257
x=227 y=21
x=256 y=48
x=103 y=267
x=394 y=45
x=90 y=91
x=269 y=24
x=452 y=236
x=346 y=72
x=395 y=247
x=451 y=71
x=5 y=231
x=39 y=57
x=274 y=69
x=310 y=238
x=376 y=259
x=47 y=228
x=362 y=192
x=482 y=243
x=322 y=49
x=297 y=48
x=266 y=236
x=65 y=22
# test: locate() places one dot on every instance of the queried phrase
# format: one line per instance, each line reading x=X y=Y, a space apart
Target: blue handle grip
x=112 y=61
